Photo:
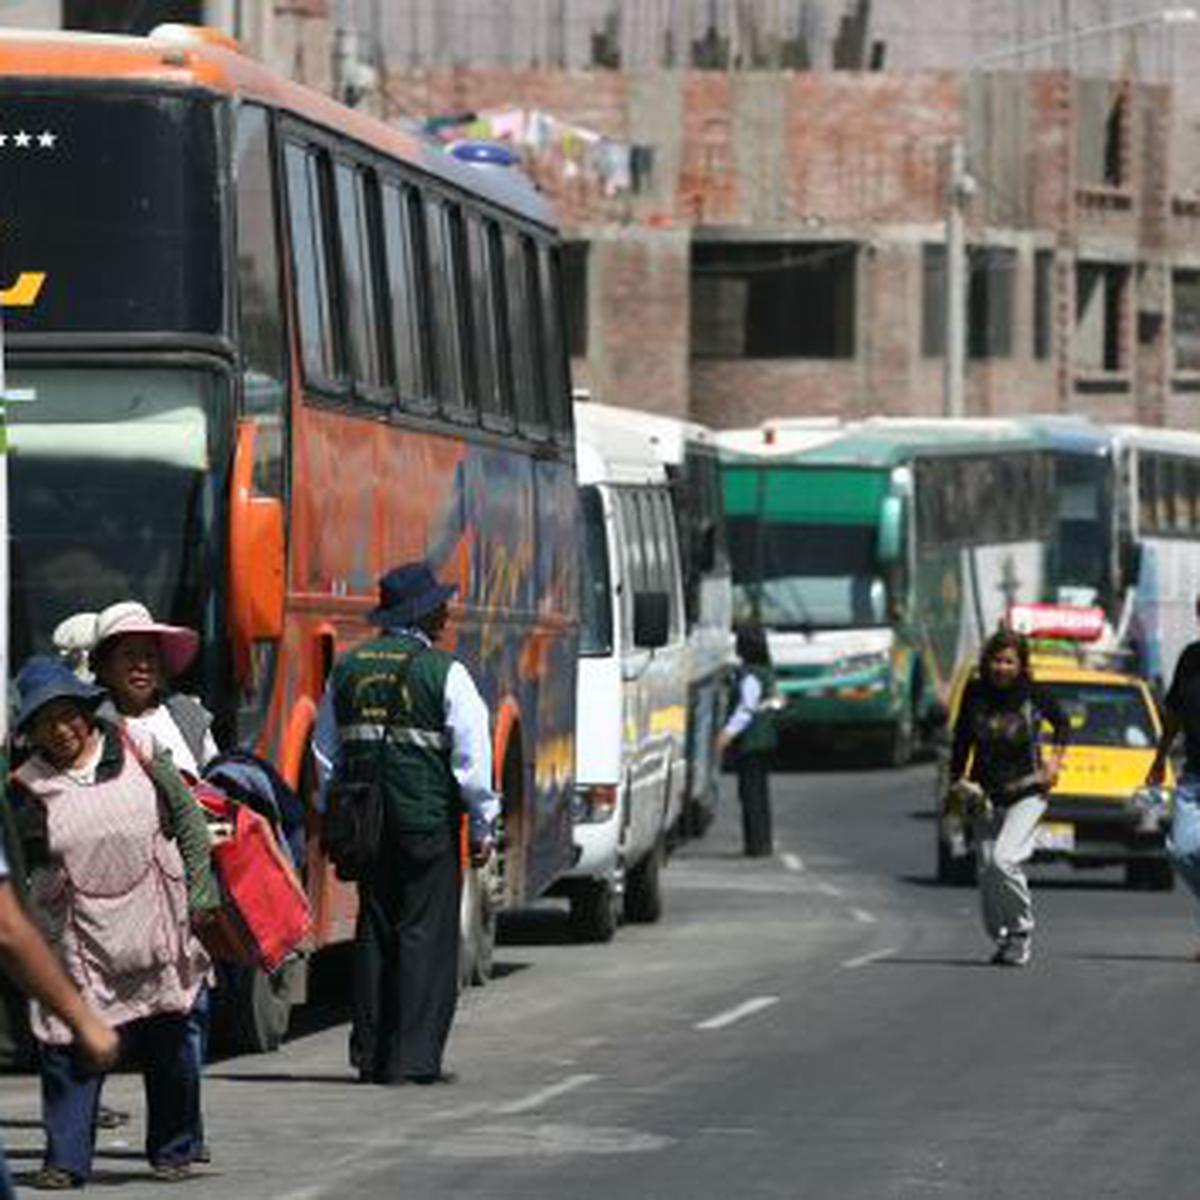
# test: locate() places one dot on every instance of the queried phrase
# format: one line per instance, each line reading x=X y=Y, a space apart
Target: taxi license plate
x=1055 y=835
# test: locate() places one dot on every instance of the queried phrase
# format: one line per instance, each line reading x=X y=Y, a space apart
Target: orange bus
x=260 y=348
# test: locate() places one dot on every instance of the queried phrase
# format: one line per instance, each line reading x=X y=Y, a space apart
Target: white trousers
x=1003 y=888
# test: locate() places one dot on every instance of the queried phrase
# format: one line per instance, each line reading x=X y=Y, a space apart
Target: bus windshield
x=110 y=212
x=113 y=494
x=812 y=577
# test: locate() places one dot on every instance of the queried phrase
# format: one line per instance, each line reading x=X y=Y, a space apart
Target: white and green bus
x=877 y=555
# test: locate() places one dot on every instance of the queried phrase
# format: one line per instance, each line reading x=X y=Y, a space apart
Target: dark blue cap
x=407 y=593
x=44 y=678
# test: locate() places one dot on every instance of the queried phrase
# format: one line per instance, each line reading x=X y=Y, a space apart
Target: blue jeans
x=1183 y=842
x=71 y=1095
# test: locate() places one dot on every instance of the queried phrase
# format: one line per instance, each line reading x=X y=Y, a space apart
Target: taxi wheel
x=594 y=912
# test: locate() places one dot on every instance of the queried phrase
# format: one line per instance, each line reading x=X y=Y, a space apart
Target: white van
x=631 y=708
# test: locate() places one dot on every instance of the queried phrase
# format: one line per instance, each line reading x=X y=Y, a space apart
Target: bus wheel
x=643 y=888
x=593 y=914
x=900 y=743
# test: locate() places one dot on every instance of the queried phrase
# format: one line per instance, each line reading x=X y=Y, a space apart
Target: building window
x=575 y=296
x=773 y=300
x=1100 y=295
x=989 y=316
x=1102 y=132
x=933 y=301
x=990 y=301
x=1043 y=303
x=1186 y=324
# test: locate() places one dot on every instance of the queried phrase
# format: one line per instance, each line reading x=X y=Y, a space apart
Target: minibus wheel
x=643 y=888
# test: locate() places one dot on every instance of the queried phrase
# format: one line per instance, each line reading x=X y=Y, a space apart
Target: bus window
x=557 y=373
x=651 y=543
x=260 y=313
x=595 y=593
x=1164 y=514
x=404 y=307
x=668 y=555
x=485 y=317
x=521 y=335
x=310 y=261
x=1146 y=490
x=360 y=310
x=447 y=327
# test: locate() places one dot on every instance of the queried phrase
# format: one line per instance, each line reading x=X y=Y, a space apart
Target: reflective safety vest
x=761 y=736
x=397 y=684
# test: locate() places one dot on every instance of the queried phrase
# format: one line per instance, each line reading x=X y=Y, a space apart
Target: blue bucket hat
x=407 y=593
x=44 y=678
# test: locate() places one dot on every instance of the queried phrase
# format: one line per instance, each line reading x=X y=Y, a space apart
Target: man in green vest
x=750 y=731
x=402 y=712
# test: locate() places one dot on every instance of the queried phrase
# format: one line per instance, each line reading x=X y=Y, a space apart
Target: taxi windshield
x=1106 y=714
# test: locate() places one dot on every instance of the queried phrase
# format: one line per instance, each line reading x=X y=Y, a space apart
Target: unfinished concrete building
x=783 y=248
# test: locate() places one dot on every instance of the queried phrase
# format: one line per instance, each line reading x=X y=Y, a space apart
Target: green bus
x=878 y=554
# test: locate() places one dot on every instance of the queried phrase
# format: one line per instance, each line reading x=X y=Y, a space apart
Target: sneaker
x=1016 y=951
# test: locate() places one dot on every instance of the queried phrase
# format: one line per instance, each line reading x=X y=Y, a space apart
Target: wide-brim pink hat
x=179 y=645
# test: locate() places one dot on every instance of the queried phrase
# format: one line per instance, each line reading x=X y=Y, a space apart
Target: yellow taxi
x=1100 y=812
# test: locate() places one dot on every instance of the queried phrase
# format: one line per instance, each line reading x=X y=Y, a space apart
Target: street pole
x=954 y=376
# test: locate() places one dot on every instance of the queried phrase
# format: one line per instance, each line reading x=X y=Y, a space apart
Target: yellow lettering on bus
x=23 y=293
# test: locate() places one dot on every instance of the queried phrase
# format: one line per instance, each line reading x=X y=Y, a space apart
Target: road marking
x=828 y=889
x=863 y=917
x=537 y=1099
x=865 y=960
x=747 y=1009
x=793 y=862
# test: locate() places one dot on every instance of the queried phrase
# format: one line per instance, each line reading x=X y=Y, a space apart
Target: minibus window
x=595 y=632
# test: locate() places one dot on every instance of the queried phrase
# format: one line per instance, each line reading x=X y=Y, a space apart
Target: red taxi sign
x=1066 y=622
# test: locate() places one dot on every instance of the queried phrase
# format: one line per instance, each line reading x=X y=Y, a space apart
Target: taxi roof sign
x=1062 y=622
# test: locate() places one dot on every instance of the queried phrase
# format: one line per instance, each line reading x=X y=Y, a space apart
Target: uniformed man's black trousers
x=406 y=959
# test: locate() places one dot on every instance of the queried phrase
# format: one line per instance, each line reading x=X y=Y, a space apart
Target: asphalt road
x=822 y=1024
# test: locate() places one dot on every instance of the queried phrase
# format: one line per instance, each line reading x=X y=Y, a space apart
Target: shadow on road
x=1038 y=885
x=897 y=960
x=1180 y=960
x=345 y=1079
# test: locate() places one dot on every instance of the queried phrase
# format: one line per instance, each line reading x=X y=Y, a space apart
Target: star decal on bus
x=24 y=140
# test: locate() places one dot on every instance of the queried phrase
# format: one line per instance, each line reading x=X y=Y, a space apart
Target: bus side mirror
x=651 y=620
x=256 y=556
x=891 y=530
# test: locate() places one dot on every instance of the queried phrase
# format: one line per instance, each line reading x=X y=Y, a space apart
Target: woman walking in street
x=997 y=736
x=750 y=730
x=118 y=862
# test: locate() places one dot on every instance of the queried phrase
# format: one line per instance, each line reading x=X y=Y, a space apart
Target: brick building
x=787 y=253
x=782 y=247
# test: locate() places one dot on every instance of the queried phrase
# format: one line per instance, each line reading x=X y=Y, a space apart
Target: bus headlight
x=594 y=803
x=873 y=663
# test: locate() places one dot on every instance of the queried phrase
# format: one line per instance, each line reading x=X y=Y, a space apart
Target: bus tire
x=643 y=888
x=901 y=741
x=593 y=912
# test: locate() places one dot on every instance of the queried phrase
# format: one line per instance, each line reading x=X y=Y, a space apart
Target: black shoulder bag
x=352 y=831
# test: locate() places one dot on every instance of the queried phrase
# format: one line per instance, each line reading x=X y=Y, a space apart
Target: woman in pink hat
x=135 y=657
